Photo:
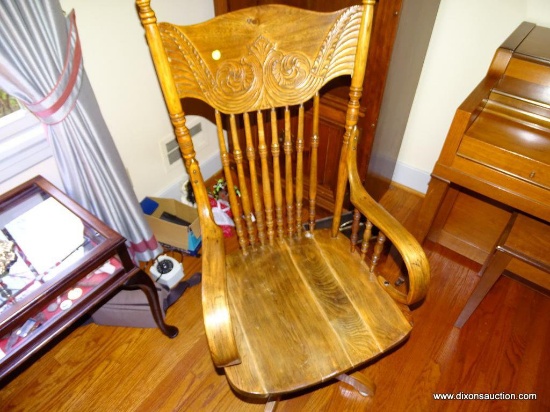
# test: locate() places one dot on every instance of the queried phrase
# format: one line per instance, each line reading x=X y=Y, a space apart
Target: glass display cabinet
x=57 y=263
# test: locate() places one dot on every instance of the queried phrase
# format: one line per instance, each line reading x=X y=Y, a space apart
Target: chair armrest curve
x=215 y=304
x=410 y=250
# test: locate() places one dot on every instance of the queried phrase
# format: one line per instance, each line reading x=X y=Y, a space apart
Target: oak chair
x=292 y=307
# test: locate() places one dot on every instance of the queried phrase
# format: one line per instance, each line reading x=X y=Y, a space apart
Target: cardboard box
x=187 y=238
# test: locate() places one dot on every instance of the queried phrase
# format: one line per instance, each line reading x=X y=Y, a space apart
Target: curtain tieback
x=57 y=105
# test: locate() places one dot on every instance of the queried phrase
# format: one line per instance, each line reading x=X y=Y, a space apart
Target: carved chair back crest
x=261 y=58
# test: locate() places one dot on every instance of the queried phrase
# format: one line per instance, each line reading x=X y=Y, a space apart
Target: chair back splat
x=297 y=305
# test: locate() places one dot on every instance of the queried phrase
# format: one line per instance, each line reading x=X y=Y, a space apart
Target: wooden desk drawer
x=529 y=243
x=510 y=147
x=529 y=239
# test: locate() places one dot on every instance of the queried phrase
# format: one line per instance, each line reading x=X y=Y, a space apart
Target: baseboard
x=411 y=177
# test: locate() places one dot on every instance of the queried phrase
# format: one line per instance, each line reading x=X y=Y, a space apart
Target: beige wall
x=464 y=39
x=118 y=63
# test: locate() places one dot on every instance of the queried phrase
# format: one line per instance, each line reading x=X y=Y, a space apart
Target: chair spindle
x=378 y=246
x=287 y=146
x=355 y=229
x=256 y=199
x=366 y=239
x=266 y=184
x=299 y=170
x=277 y=188
x=313 y=162
x=245 y=200
x=230 y=185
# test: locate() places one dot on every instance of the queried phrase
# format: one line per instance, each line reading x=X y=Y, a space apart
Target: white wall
x=119 y=66
x=465 y=37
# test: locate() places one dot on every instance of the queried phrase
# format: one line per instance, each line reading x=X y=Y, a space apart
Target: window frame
x=23 y=143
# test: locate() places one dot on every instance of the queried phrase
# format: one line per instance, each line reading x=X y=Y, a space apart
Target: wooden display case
x=61 y=262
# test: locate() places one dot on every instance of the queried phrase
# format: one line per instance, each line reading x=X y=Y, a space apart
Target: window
x=23 y=141
x=8 y=104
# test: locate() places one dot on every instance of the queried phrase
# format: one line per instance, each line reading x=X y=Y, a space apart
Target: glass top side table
x=57 y=263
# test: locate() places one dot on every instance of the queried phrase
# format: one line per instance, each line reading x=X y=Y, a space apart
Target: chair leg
x=495 y=266
x=359 y=382
x=272 y=403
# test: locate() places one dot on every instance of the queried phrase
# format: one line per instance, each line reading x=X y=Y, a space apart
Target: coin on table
x=66 y=304
x=74 y=293
x=52 y=307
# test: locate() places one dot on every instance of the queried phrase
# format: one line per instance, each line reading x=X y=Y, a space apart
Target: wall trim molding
x=411 y=177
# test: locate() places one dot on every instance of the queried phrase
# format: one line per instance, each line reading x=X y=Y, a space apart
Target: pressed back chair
x=292 y=307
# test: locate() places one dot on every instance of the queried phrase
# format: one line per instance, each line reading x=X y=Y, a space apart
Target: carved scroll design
x=266 y=76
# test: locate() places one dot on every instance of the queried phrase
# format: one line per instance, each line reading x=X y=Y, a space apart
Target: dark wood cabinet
x=334 y=97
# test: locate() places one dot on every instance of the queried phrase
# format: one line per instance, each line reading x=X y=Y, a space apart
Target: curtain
x=41 y=65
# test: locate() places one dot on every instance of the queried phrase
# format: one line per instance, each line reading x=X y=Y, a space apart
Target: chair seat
x=316 y=295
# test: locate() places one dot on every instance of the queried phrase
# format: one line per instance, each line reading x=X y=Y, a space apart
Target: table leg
x=496 y=265
x=437 y=189
x=140 y=280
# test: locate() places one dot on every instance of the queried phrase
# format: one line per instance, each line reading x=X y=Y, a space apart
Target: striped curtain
x=41 y=65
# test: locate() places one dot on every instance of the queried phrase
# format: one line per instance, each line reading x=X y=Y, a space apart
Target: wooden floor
x=503 y=349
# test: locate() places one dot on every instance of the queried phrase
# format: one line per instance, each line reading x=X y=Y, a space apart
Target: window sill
x=23 y=144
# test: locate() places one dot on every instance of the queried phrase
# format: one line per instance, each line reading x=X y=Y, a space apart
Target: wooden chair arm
x=215 y=304
x=411 y=251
